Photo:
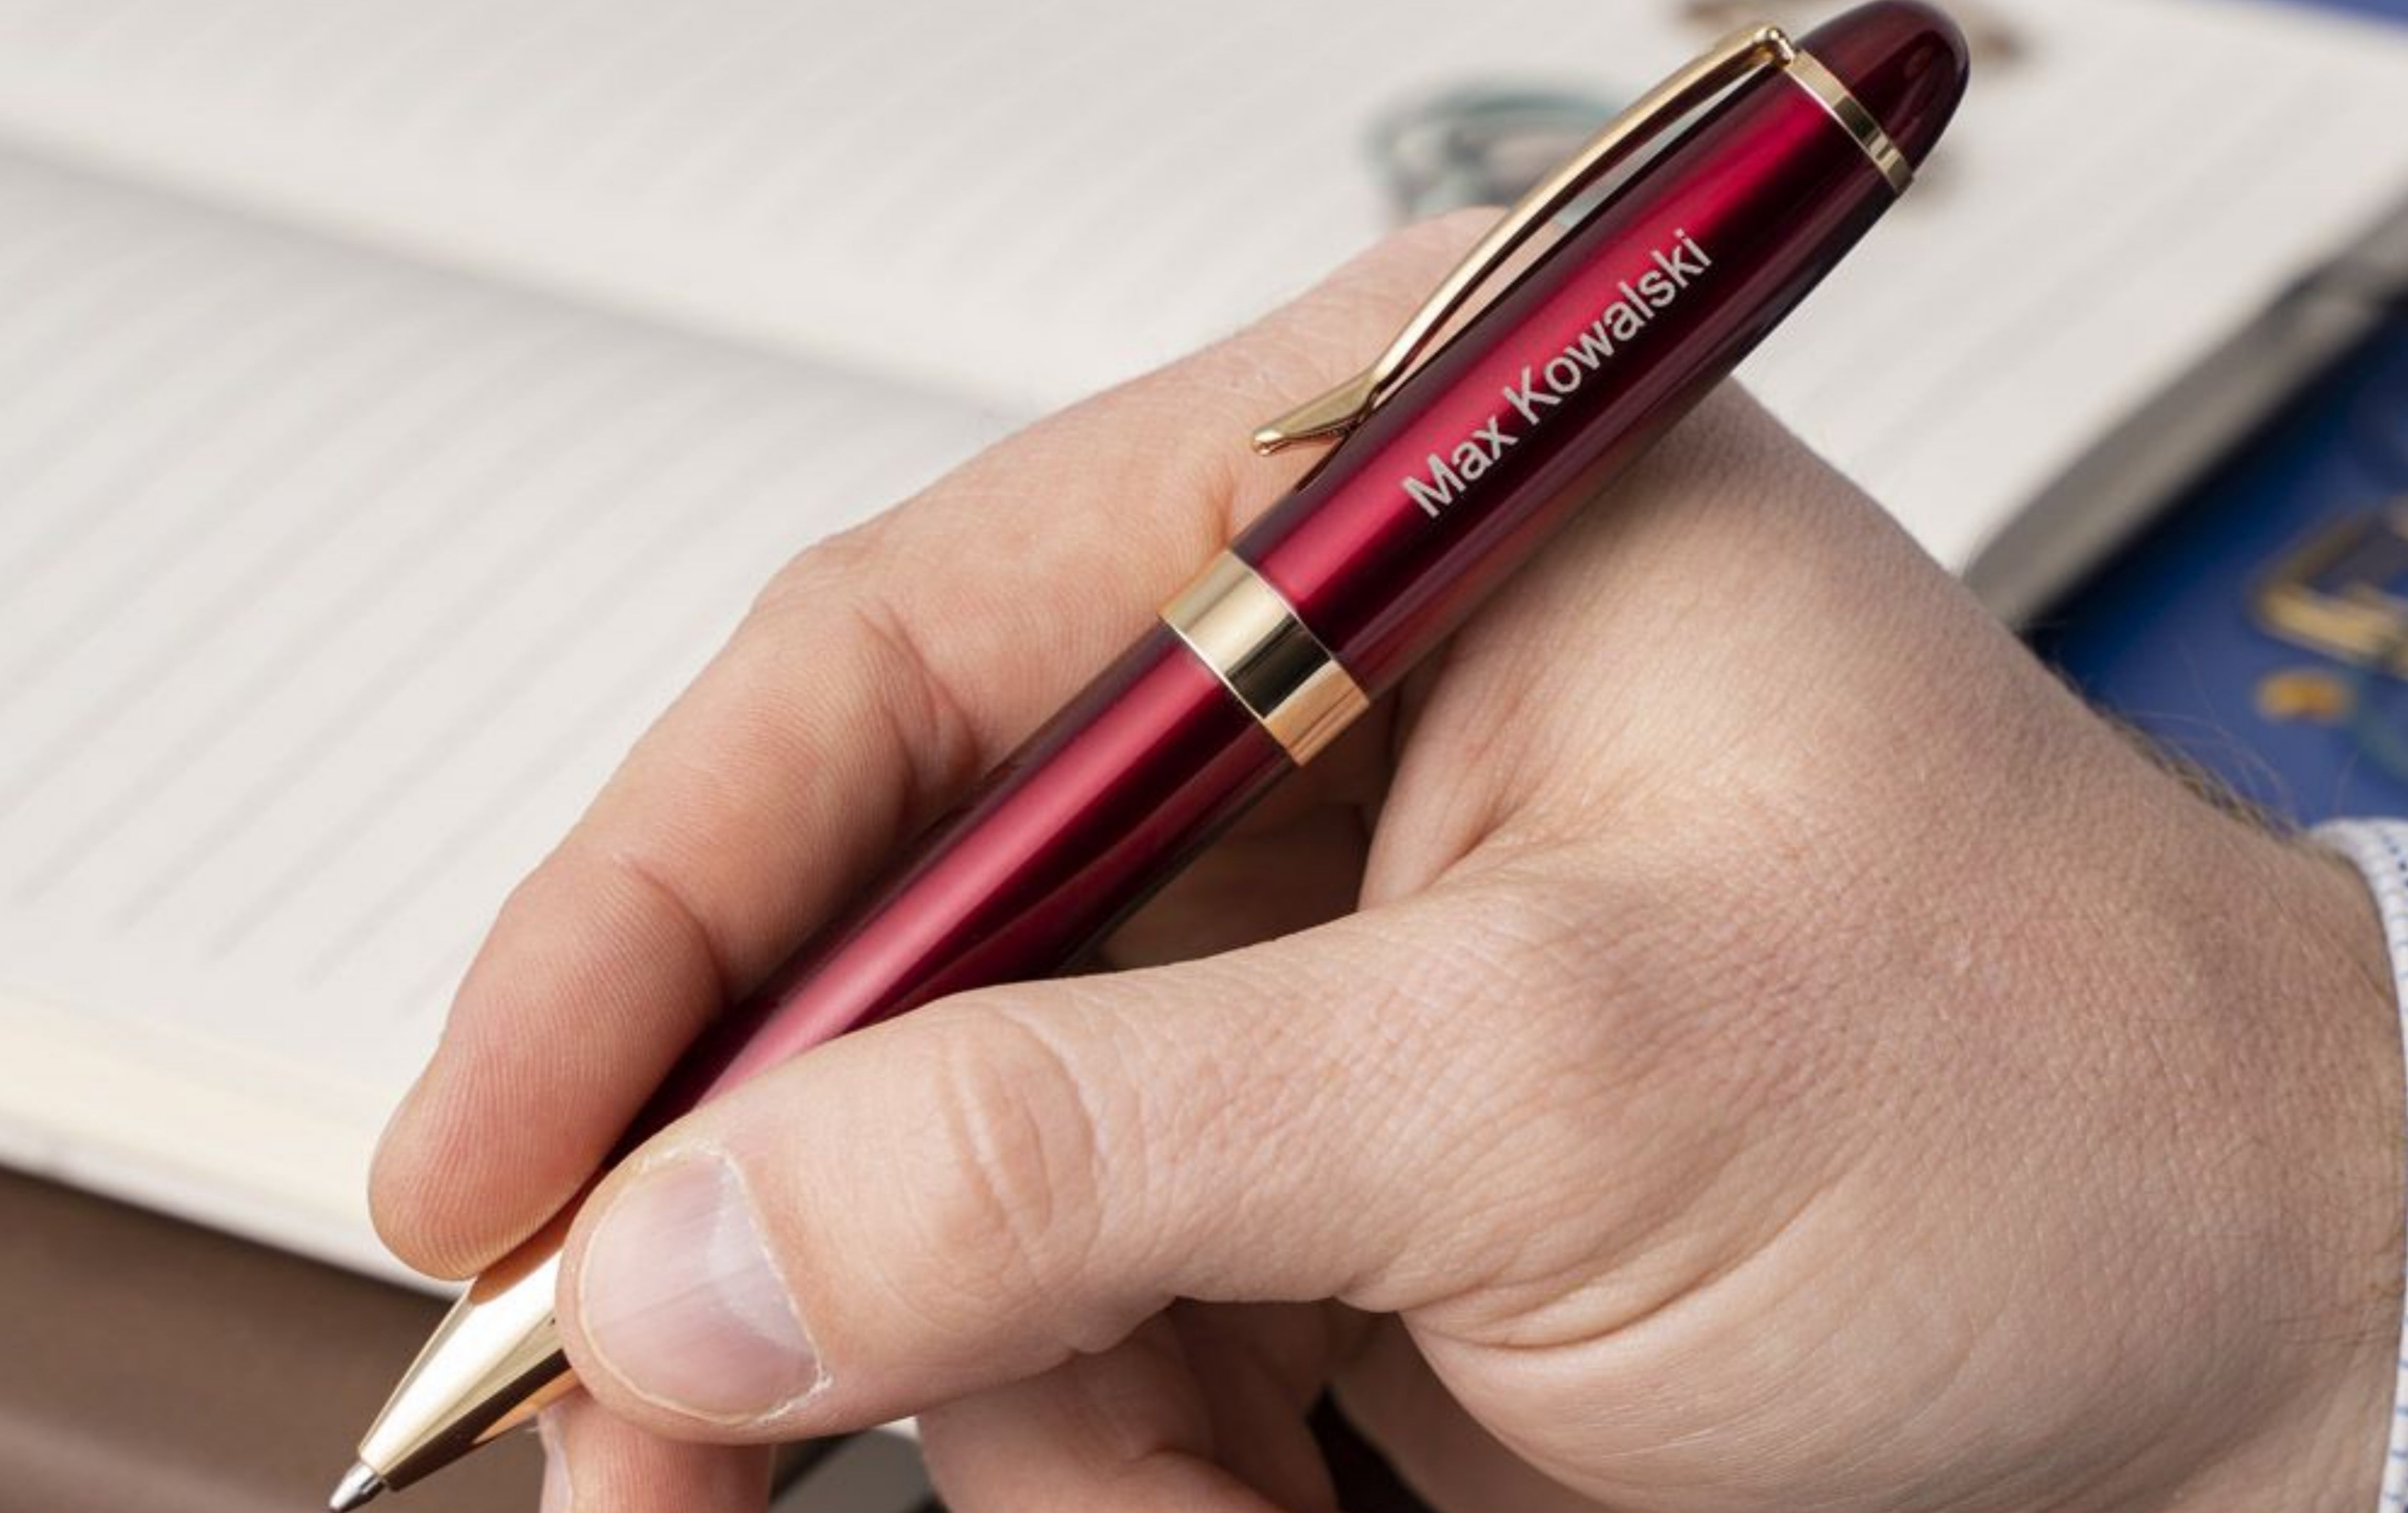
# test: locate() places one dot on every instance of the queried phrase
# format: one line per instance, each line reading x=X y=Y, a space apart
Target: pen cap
x=1531 y=408
x=1904 y=61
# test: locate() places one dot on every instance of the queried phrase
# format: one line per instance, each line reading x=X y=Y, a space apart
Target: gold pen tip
x=358 y=1486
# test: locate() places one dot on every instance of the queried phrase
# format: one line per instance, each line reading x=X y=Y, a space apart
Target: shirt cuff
x=2380 y=849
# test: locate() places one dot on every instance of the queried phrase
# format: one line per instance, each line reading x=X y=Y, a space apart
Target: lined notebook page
x=333 y=587
x=1025 y=202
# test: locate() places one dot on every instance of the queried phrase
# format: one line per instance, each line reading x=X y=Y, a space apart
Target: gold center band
x=1850 y=112
x=1254 y=642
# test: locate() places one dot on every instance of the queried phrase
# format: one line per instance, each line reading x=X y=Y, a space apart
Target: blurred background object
x=1990 y=30
x=1481 y=144
x=2257 y=626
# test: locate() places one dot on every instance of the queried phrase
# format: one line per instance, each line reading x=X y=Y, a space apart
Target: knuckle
x=1538 y=942
x=930 y=725
x=846 y=592
x=1525 y=934
x=1441 y=1018
x=1015 y=1185
x=1686 y=989
x=811 y=576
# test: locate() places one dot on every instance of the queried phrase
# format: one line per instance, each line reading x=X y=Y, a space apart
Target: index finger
x=879 y=673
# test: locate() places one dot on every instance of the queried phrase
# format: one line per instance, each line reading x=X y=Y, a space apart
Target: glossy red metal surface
x=1711 y=246
x=1545 y=395
x=1092 y=815
x=1906 y=62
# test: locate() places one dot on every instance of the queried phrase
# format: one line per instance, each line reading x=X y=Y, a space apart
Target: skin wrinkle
x=1174 y=1148
x=895 y=1286
x=1016 y=1118
x=1439 y=996
x=769 y=715
x=1932 y=1409
x=1072 y=1143
x=1148 y=1141
x=1726 y=1421
x=1382 y=1059
x=1923 y=1235
x=1497 y=1182
x=1630 y=1323
x=1637 y=977
x=937 y=734
x=1448 y=852
x=1733 y=1426
x=676 y=907
x=2241 y=1282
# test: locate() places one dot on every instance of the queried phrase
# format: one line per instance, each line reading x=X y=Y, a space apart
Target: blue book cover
x=2260 y=630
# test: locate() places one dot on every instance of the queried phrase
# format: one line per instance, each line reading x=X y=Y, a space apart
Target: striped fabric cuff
x=2380 y=849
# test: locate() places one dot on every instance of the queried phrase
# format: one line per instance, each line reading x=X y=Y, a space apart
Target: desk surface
x=146 y=1364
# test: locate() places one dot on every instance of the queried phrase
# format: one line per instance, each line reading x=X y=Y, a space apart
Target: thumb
x=968 y=1195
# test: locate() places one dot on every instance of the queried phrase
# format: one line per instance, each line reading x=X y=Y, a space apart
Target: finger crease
x=939 y=740
x=672 y=900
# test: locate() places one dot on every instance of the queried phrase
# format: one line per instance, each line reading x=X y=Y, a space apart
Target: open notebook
x=398 y=399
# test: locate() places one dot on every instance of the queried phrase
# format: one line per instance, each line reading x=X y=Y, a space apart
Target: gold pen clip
x=1727 y=64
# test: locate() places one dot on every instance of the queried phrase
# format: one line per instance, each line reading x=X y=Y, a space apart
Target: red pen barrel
x=1481 y=453
x=1110 y=798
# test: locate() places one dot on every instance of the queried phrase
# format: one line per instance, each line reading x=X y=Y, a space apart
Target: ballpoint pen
x=1743 y=180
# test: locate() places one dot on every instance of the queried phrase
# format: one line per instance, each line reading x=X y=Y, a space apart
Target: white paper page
x=330 y=588
x=1025 y=202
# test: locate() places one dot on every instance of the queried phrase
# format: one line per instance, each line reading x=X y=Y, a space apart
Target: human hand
x=1731 y=1034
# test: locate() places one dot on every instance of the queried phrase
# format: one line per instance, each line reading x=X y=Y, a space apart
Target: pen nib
x=357 y=1488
